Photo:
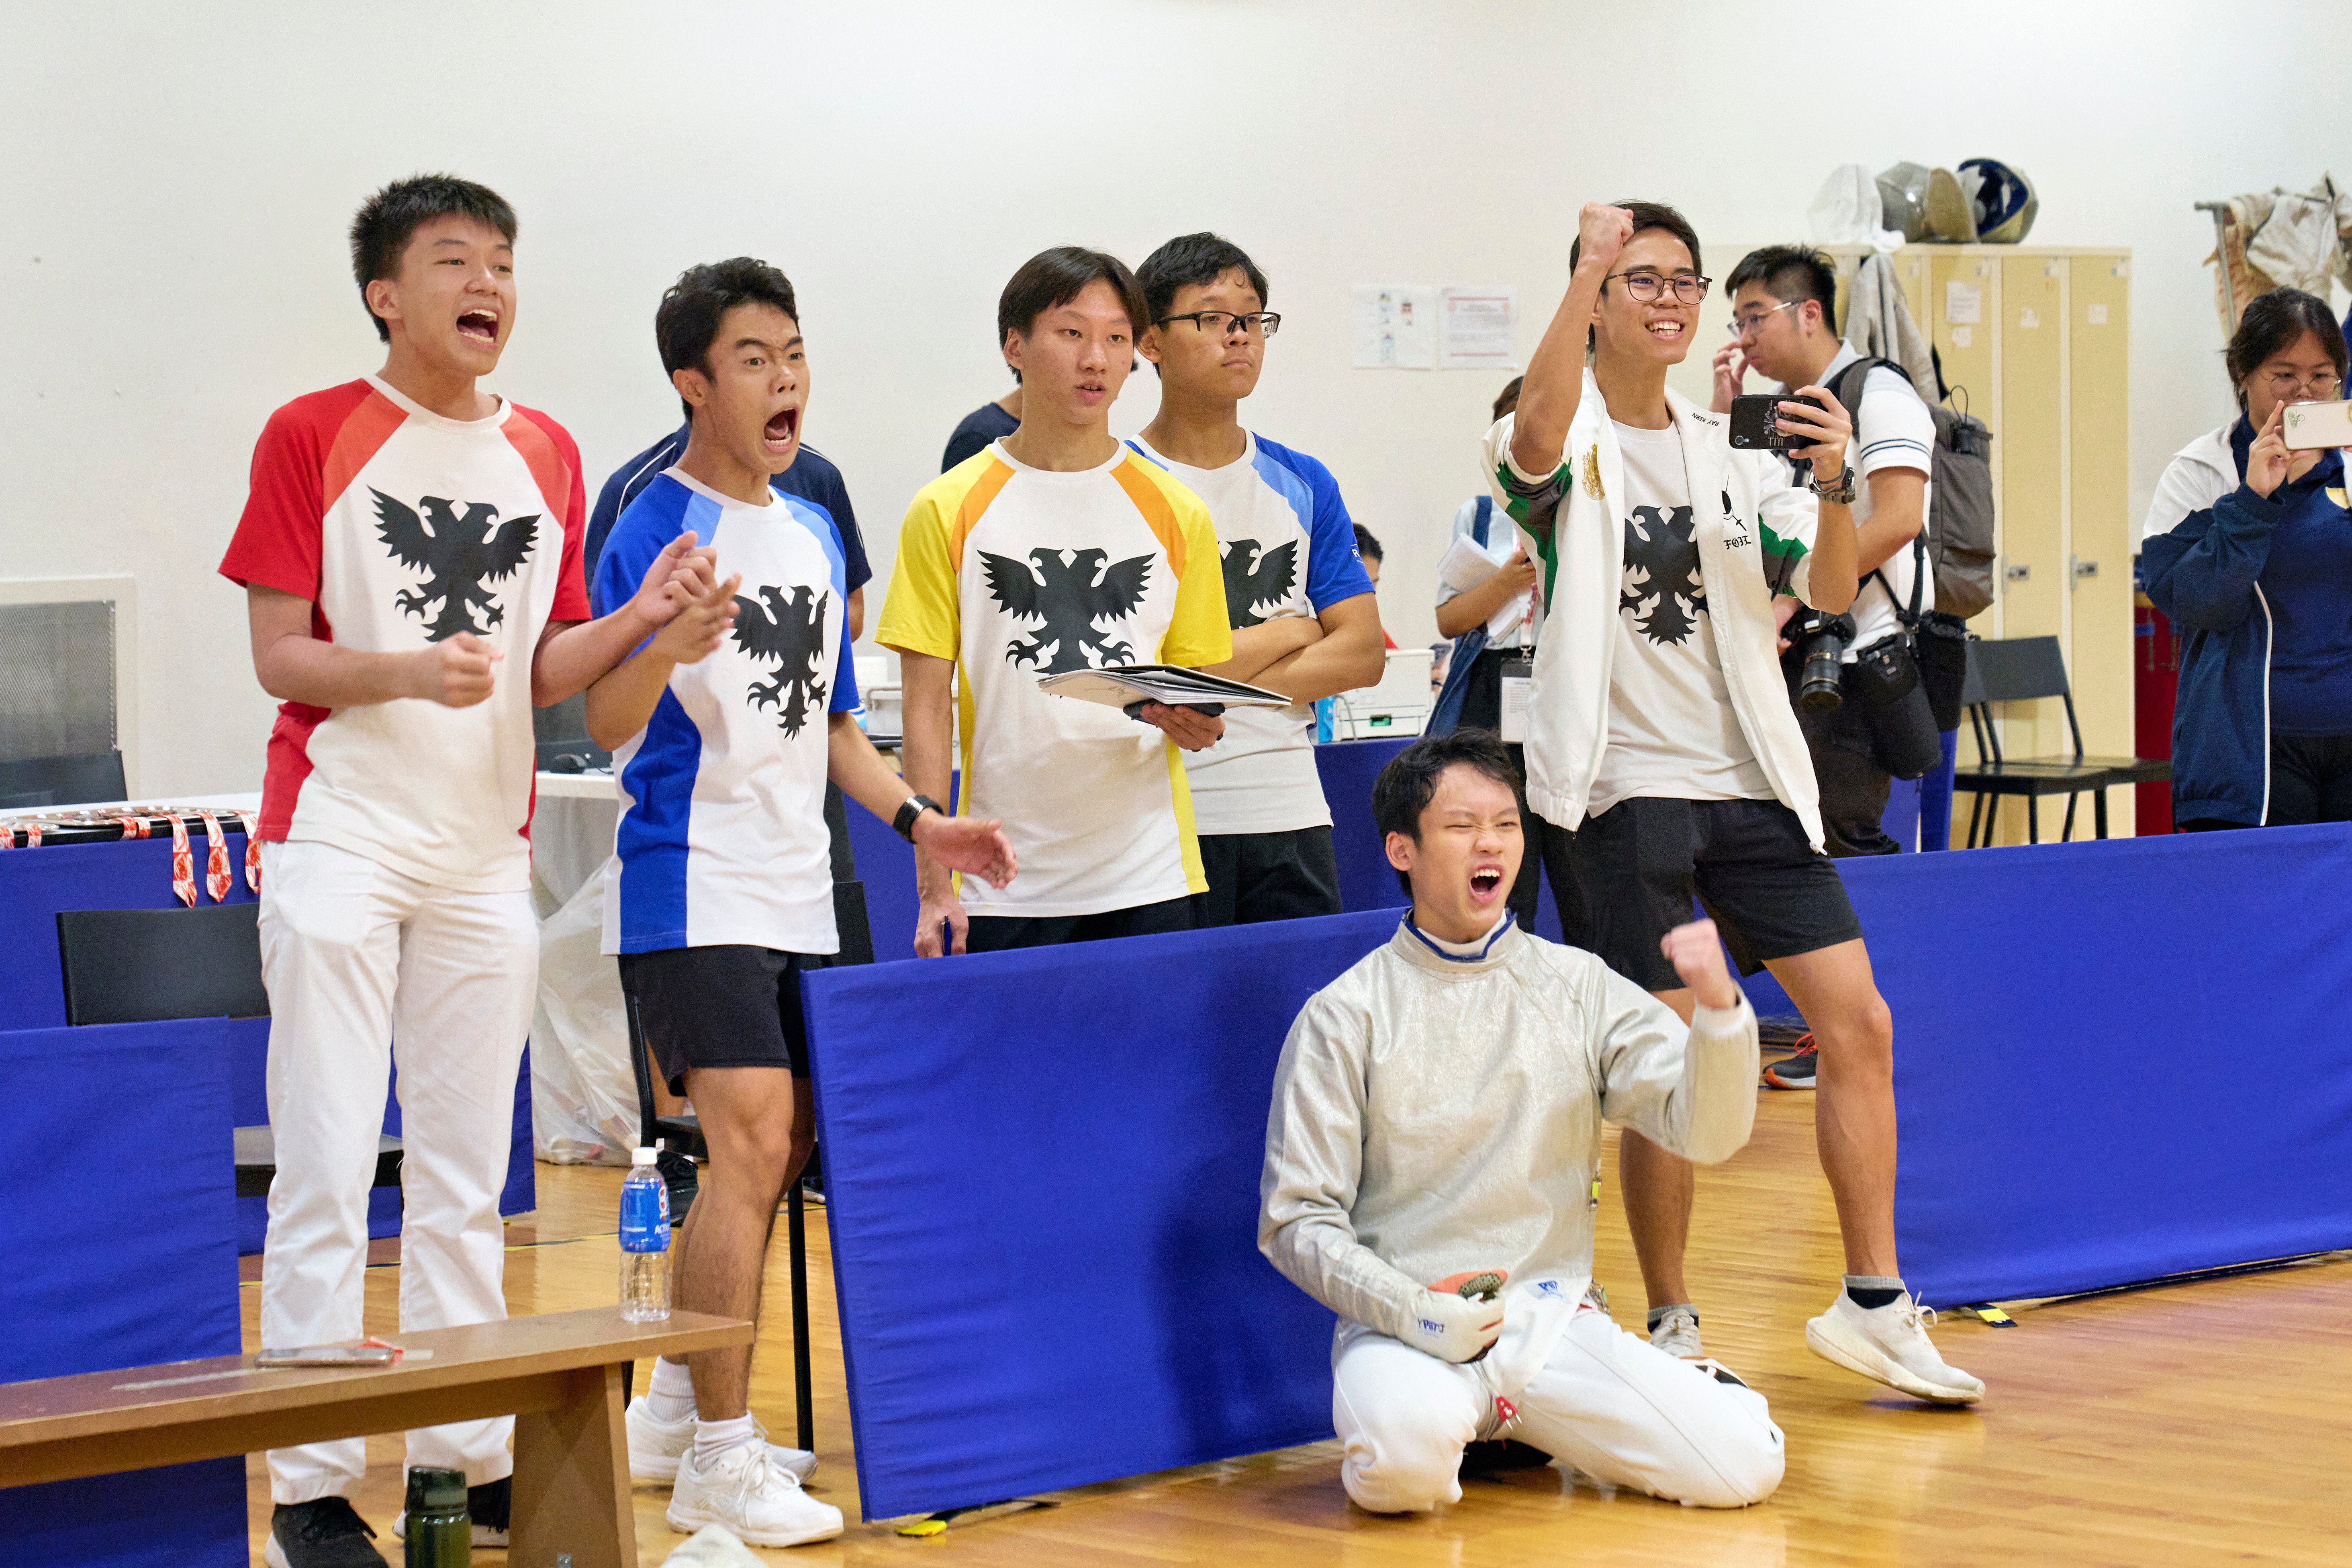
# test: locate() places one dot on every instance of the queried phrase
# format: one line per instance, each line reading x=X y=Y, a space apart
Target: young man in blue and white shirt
x=724 y=730
x=1305 y=621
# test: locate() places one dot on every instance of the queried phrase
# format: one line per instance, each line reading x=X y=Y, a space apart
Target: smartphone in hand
x=1756 y=423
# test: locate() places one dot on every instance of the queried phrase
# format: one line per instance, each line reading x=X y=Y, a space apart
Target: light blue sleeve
x=1334 y=570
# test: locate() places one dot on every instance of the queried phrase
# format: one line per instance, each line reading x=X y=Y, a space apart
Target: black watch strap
x=905 y=821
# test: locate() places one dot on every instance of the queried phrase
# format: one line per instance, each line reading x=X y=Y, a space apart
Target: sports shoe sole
x=1772 y=1077
x=1859 y=1355
x=687 y=1523
x=657 y=1469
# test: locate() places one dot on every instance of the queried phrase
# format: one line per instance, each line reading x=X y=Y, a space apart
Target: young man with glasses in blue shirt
x=1305 y=621
x=1663 y=755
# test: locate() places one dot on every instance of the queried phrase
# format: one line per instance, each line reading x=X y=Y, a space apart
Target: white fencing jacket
x=1754 y=530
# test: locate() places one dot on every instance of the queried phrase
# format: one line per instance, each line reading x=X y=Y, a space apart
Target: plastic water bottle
x=440 y=1530
x=644 y=1242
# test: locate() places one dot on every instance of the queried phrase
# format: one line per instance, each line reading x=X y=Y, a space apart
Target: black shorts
x=1004 y=933
x=1259 y=877
x=732 y=1006
x=1638 y=865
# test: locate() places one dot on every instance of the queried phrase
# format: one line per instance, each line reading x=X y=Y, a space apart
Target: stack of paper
x=1124 y=685
x=1467 y=564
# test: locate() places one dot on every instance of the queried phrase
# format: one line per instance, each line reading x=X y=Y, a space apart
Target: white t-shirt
x=1673 y=733
x=1499 y=533
x=722 y=838
x=1288 y=548
x=1892 y=429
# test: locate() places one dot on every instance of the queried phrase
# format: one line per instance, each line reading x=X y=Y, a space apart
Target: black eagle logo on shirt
x=1265 y=577
x=1662 y=571
x=453 y=546
x=791 y=632
x=1069 y=591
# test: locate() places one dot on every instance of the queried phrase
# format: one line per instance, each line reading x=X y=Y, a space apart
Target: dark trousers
x=1002 y=933
x=1853 y=787
x=2311 y=781
x=1256 y=876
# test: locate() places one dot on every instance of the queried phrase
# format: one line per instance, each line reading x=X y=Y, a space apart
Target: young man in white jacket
x=1663 y=755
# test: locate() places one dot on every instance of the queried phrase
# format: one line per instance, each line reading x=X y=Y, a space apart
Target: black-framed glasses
x=1646 y=287
x=1254 y=324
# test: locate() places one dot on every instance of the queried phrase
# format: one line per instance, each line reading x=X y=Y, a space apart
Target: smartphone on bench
x=329 y=1355
x=2309 y=426
x=1755 y=423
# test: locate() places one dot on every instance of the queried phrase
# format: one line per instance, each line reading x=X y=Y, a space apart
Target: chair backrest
x=2013 y=670
x=135 y=966
x=62 y=781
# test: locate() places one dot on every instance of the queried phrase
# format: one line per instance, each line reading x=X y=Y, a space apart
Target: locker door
x=2099 y=522
x=1911 y=273
x=2033 y=494
x=1963 y=320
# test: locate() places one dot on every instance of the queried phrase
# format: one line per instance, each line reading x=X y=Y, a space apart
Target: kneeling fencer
x=1437 y=1118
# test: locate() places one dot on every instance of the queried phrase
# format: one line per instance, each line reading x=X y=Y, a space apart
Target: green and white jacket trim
x=1754 y=530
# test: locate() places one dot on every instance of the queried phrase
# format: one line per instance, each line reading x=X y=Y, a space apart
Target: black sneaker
x=323 y=1533
x=1796 y=1071
x=491 y=1506
x=1500 y=1456
x=679 y=1175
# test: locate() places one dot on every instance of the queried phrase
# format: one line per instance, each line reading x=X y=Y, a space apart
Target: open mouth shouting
x=782 y=430
x=1485 y=885
x=479 y=326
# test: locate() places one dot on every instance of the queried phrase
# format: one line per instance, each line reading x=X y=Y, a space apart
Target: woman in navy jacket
x=2248 y=549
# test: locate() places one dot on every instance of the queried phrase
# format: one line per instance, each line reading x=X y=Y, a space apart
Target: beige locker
x=2032 y=568
x=2099 y=524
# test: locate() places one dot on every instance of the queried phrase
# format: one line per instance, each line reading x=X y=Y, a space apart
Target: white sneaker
x=1677 y=1334
x=655 y=1446
x=758 y=1501
x=1889 y=1344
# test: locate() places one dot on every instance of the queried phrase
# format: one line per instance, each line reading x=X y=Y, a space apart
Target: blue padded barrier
x=1042 y=1170
x=120 y=1219
x=136 y=874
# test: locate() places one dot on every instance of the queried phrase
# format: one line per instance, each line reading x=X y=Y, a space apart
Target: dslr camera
x=1817 y=644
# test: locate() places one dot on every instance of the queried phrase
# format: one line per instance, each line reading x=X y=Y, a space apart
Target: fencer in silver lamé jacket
x=1440 y=1110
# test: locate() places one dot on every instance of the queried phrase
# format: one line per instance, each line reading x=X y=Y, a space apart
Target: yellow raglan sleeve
x=1200 y=632
x=922 y=613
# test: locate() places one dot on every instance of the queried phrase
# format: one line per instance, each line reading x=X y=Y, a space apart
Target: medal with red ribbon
x=216 y=875
x=184 y=863
x=252 y=852
x=132 y=826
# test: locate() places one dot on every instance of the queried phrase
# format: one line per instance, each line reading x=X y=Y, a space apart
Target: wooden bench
x=558 y=1375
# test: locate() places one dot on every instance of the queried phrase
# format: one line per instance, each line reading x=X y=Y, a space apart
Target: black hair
x=1367 y=546
x=381 y=227
x=1646 y=214
x=1054 y=278
x=1403 y=789
x=1200 y=258
x=2271 y=323
x=691 y=308
x=1509 y=398
x=1789 y=273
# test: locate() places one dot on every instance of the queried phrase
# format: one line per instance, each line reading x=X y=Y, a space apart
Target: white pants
x=356 y=956
x=1603 y=1401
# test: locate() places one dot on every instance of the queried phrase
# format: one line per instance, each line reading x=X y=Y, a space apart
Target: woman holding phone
x=2248 y=548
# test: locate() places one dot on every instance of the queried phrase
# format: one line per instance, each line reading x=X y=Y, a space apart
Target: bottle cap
x=642 y=1157
x=434 y=1490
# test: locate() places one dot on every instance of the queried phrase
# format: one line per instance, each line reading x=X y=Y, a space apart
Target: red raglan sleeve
x=278 y=539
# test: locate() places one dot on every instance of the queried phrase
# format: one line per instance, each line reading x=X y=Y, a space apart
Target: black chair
x=2027 y=669
x=61 y=781
x=136 y=966
x=683 y=1134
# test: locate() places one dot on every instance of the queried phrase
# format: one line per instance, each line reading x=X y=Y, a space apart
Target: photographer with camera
x=1854 y=678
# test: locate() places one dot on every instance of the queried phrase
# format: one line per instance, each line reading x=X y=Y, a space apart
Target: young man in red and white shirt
x=410 y=554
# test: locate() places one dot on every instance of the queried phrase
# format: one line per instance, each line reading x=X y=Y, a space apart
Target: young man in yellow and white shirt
x=1057 y=549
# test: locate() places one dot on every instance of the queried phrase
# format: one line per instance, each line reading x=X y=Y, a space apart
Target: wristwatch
x=914 y=806
x=1841 y=492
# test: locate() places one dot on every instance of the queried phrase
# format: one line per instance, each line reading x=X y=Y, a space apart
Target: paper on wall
x=1393 y=326
x=1478 y=328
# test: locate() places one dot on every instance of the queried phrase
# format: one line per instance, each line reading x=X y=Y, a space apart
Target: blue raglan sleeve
x=1334 y=570
x=2201 y=572
x=642 y=533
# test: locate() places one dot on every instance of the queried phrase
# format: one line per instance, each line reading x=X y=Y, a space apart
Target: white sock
x=670 y=1396
x=713 y=1439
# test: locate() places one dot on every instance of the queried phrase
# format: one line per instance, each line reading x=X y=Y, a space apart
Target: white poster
x=1478 y=328
x=1393 y=326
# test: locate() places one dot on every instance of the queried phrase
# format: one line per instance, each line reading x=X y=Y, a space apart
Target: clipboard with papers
x=1465 y=564
x=1125 y=686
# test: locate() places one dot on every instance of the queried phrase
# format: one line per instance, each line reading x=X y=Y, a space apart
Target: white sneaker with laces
x=1677 y=1334
x=757 y=1501
x=655 y=1446
x=1889 y=1344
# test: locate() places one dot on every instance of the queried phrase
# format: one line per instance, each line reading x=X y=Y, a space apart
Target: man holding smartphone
x=1661 y=752
x=1783 y=305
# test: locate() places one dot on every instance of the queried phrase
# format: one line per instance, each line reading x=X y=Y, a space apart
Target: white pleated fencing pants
x=357 y=956
x=1599 y=1399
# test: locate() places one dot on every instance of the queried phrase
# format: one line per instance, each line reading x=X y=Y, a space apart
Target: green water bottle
x=440 y=1530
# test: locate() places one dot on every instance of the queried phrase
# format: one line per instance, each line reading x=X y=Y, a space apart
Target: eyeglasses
x=1645 y=287
x=1257 y=325
x=1753 y=322
x=2322 y=386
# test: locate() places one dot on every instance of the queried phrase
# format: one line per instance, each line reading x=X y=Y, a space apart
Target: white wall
x=177 y=178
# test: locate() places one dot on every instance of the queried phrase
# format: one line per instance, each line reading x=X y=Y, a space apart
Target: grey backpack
x=1959 y=535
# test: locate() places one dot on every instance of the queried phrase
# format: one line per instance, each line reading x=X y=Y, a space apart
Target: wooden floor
x=2192 y=1425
